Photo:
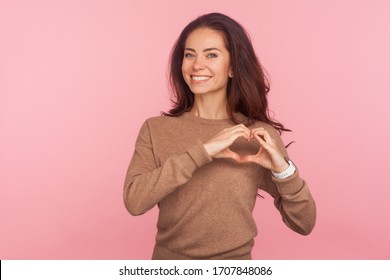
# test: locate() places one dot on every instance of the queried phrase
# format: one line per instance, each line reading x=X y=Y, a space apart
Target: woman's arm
x=294 y=201
x=291 y=195
x=146 y=183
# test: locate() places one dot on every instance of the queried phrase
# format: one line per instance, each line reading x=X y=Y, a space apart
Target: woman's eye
x=188 y=55
x=212 y=55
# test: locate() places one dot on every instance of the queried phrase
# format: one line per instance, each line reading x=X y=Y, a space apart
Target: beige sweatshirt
x=205 y=204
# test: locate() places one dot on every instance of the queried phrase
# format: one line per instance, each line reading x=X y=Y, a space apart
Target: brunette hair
x=246 y=91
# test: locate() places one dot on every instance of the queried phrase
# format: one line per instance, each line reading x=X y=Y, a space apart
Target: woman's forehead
x=205 y=38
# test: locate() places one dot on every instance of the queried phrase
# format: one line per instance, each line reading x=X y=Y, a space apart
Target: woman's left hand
x=269 y=155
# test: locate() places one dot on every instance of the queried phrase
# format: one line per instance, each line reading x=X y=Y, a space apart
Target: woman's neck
x=210 y=106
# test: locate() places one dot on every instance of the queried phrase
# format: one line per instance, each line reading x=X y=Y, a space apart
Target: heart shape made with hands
x=243 y=150
x=257 y=147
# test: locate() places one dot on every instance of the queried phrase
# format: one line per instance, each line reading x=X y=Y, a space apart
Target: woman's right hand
x=218 y=146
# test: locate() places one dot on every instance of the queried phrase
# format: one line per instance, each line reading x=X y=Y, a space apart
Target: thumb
x=227 y=153
x=249 y=158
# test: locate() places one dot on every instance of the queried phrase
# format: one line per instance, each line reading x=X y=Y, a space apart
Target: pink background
x=78 y=78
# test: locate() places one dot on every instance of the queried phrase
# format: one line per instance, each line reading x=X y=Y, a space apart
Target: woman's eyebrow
x=211 y=49
x=205 y=50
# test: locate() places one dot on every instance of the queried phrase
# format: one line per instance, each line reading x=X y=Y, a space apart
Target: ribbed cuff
x=199 y=154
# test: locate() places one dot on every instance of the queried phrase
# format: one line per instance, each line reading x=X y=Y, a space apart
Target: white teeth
x=200 y=78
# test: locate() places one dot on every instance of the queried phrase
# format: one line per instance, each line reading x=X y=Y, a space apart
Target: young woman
x=204 y=161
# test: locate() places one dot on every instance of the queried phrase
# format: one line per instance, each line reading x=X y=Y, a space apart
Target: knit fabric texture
x=205 y=205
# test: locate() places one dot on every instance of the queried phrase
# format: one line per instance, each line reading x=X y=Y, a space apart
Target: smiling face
x=206 y=62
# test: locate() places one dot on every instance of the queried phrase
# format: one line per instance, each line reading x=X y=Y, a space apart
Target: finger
x=265 y=134
x=233 y=137
x=254 y=130
x=275 y=155
x=261 y=140
x=221 y=142
x=239 y=127
x=249 y=158
x=246 y=133
x=233 y=155
x=269 y=148
x=227 y=153
x=243 y=127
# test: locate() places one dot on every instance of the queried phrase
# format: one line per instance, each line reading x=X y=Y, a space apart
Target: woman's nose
x=198 y=64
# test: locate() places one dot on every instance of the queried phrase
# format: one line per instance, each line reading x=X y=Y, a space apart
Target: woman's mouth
x=200 y=78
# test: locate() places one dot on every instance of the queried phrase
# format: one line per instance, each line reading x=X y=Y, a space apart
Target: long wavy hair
x=246 y=91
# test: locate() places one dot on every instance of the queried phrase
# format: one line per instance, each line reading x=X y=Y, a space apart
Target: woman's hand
x=269 y=155
x=218 y=146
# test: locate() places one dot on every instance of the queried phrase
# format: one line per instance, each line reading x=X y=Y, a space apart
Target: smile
x=200 y=78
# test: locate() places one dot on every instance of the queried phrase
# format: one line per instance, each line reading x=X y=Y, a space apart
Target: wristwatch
x=286 y=173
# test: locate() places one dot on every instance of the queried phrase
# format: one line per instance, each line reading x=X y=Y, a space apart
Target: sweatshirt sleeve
x=295 y=203
x=291 y=197
x=146 y=183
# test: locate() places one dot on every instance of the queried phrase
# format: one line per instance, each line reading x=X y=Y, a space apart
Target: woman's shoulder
x=164 y=120
x=254 y=123
x=267 y=126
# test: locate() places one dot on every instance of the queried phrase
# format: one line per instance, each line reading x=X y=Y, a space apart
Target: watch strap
x=286 y=173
